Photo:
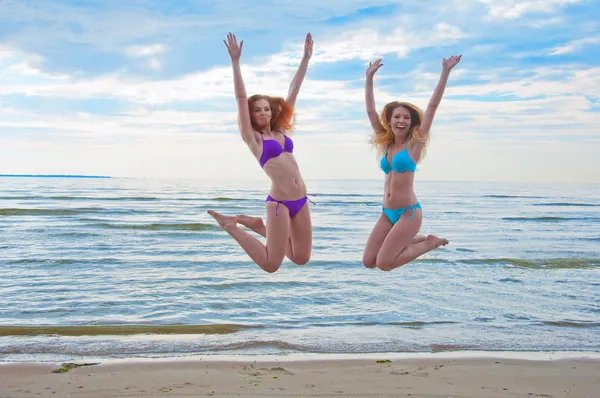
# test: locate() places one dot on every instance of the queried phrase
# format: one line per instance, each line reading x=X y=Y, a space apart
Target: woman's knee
x=385 y=263
x=301 y=259
x=369 y=260
x=271 y=266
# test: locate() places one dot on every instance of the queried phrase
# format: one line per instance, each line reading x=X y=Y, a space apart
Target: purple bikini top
x=272 y=149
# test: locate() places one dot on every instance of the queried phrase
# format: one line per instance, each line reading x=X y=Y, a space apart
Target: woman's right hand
x=374 y=67
x=235 y=50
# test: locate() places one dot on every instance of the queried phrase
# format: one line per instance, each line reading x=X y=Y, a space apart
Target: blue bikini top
x=401 y=162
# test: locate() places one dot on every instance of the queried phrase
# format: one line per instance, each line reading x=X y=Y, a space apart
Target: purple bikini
x=272 y=149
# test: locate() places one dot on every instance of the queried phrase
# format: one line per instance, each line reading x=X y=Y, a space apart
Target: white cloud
x=272 y=76
x=150 y=53
x=545 y=22
x=146 y=51
x=575 y=45
x=6 y=52
x=547 y=81
x=367 y=43
x=154 y=64
x=513 y=9
x=518 y=111
x=15 y=63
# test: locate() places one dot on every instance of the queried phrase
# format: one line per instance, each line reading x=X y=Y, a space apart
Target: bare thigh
x=378 y=234
x=278 y=232
x=399 y=237
x=301 y=236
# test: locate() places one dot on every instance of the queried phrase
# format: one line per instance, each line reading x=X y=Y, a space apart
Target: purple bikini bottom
x=294 y=206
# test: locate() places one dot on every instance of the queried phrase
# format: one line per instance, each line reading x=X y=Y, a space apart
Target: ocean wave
x=58 y=261
x=567 y=204
x=552 y=263
x=46 y=212
x=159 y=226
x=547 y=218
x=344 y=195
x=65 y=261
x=348 y=203
x=123 y=198
x=122 y=330
x=513 y=197
x=409 y=325
x=573 y=324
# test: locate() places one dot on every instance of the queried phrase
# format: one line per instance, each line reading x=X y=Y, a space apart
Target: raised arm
x=235 y=51
x=436 y=98
x=370 y=96
x=301 y=72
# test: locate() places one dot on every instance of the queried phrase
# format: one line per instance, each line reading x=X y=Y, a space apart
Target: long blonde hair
x=383 y=137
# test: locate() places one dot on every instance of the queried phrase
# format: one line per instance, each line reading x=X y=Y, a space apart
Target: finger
x=241 y=45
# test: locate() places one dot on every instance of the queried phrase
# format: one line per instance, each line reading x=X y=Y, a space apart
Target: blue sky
x=144 y=88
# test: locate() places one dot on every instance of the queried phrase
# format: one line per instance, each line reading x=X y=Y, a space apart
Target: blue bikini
x=401 y=162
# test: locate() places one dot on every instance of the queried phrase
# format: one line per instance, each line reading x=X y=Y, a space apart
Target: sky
x=143 y=88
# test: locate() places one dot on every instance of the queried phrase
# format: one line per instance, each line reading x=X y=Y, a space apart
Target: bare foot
x=254 y=223
x=437 y=242
x=226 y=222
x=418 y=239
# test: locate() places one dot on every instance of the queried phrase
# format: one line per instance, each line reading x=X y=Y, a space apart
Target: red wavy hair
x=282 y=113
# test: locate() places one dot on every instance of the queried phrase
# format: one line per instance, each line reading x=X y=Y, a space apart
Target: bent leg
x=257 y=225
x=399 y=238
x=300 y=247
x=415 y=250
x=376 y=238
x=403 y=245
x=268 y=257
x=418 y=239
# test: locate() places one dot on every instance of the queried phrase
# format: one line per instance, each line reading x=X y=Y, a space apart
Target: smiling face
x=260 y=112
x=400 y=121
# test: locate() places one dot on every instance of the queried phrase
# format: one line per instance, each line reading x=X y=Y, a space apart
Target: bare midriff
x=398 y=190
x=286 y=181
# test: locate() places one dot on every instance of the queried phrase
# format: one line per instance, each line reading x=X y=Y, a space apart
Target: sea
x=116 y=268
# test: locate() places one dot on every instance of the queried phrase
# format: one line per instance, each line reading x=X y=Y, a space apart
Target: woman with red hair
x=265 y=123
x=401 y=134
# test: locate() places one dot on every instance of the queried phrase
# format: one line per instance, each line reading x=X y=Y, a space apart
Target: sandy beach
x=434 y=376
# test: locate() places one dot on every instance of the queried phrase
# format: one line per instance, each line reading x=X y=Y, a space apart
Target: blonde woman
x=401 y=134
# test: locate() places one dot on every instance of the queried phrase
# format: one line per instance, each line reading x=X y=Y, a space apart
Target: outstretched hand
x=374 y=67
x=234 y=50
x=451 y=62
x=308 y=46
